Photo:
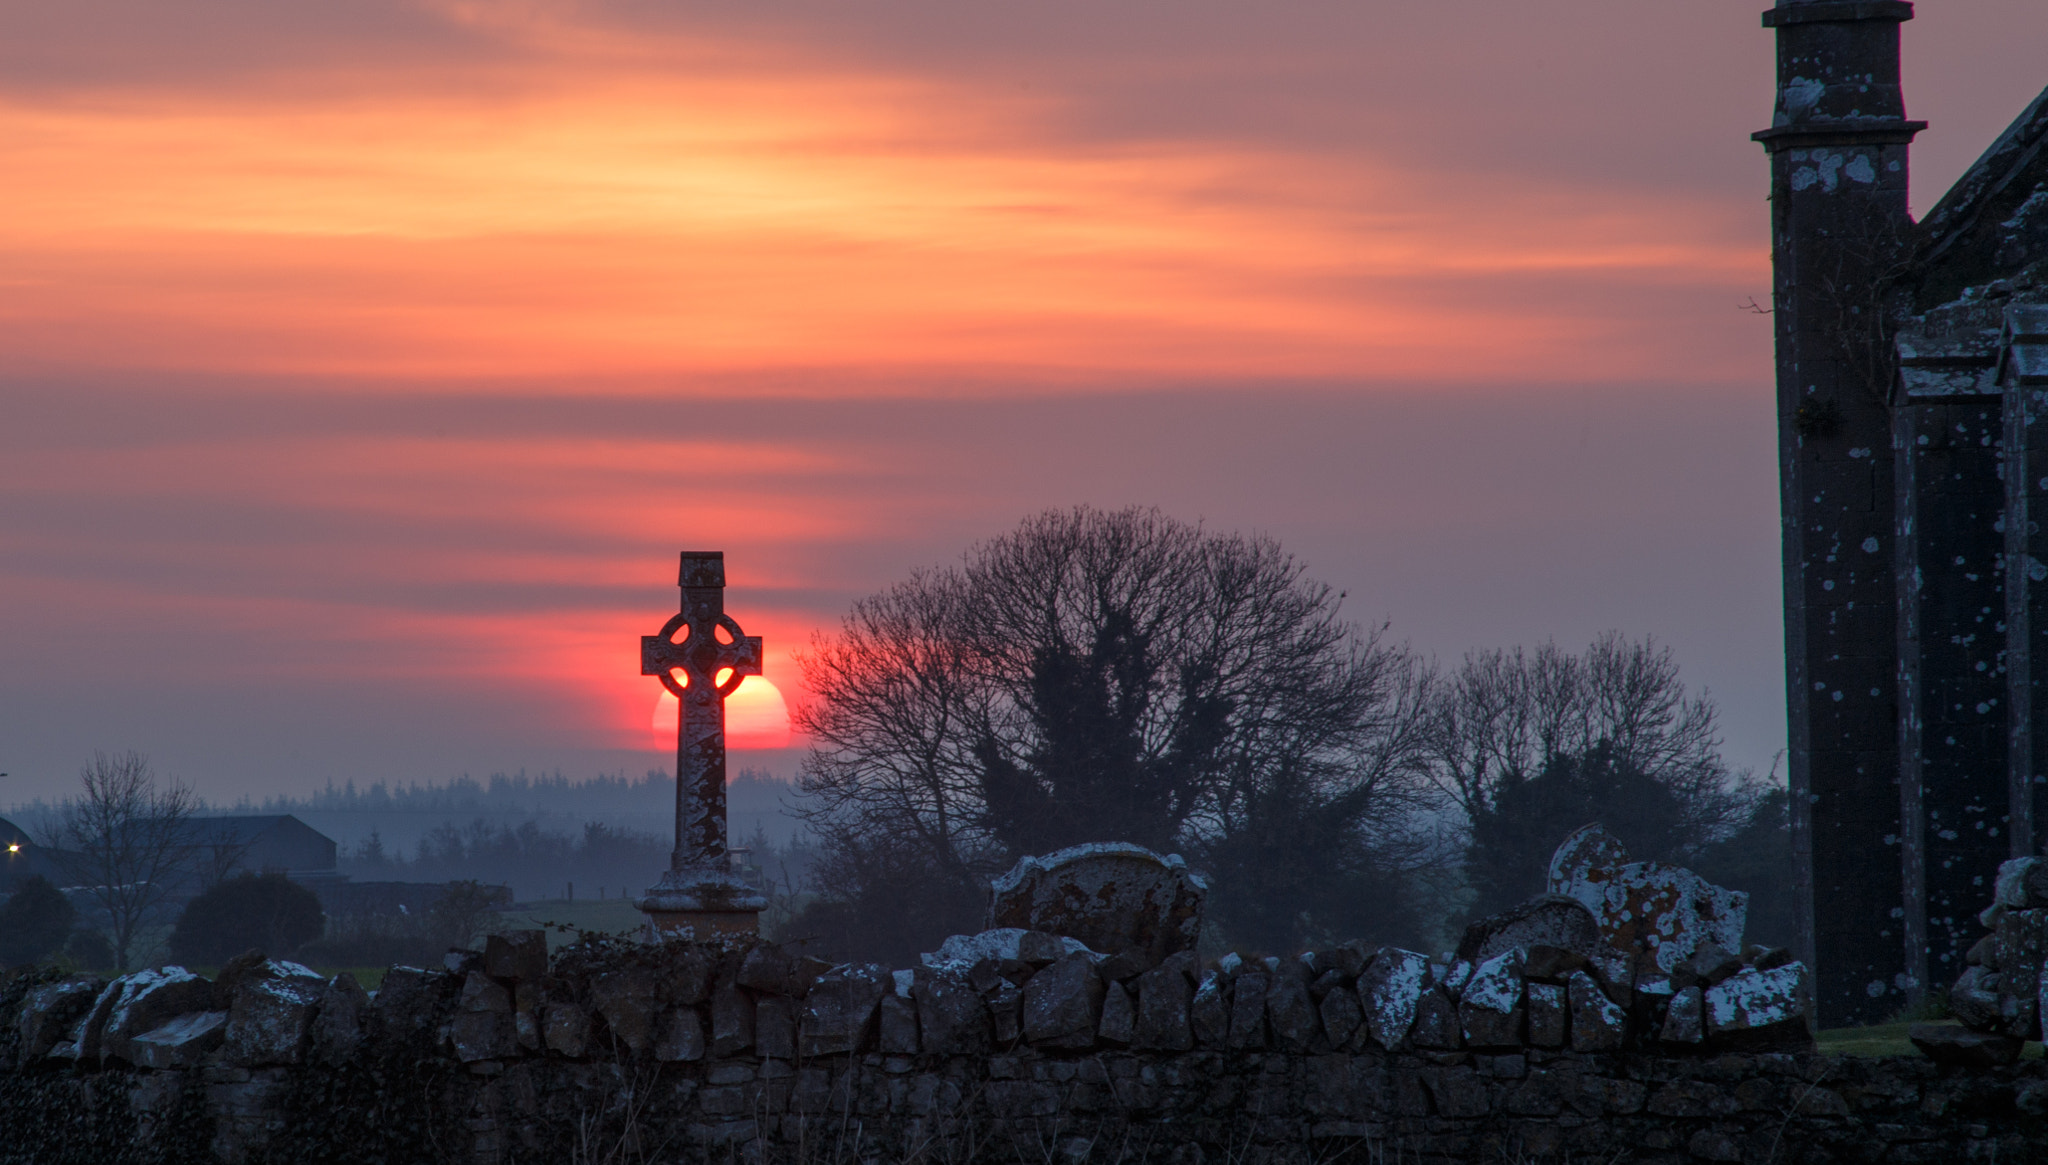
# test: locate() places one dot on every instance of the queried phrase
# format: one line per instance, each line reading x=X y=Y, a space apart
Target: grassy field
x=606 y=916
x=1885 y=1039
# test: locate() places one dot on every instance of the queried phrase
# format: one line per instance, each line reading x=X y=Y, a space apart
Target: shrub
x=267 y=912
x=34 y=922
x=375 y=940
x=466 y=911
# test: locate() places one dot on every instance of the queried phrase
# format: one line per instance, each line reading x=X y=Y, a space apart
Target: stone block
x=952 y=1018
x=1457 y=1093
x=1709 y=964
x=1551 y=964
x=1340 y=1013
x=898 y=1026
x=1290 y=1014
x=1546 y=1004
x=1119 y=1026
x=1762 y=1010
x=1691 y=1099
x=2020 y=948
x=270 y=1019
x=1436 y=1025
x=1496 y=984
x=338 y=1022
x=517 y=956
x=48 y=1013
x=771 y=970
x=732 y=1021
x=1349 y=961
x=1549 y=920
x=181 y=1043
x=839 y=1012
x=1209 y=1011
x=1063 y=1004
x=483 y=1035
x=775 y=1027
x=409 y=1000
x=1390 y=989
x=566 y=1029
x=1598 y=1024
x=628 y=1000
x=1012 y=951
x=1953 y=1044
x=1765 y=958
x=1684 y=1019
x=1248 y=1010
x=1165 y=995
x=1113 y=897
x=1483 y=1027
x=1974 y=1001
x=681 y=1037
x=480 y=992
x=2022 y=884
x=686 y=973
x=1006 y=1012
x=138 y=1002
x=767 y=968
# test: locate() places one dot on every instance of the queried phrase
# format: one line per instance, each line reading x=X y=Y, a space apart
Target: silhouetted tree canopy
x=1757 y=859
x=1103 y=676
x=34 y=922
x=266 y=912
x=1515 y=832
x=1532 y=745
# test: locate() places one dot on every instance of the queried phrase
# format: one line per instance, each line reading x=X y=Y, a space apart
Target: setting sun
x=756 y=716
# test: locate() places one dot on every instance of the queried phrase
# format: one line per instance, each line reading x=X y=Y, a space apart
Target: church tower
x=1840 y=231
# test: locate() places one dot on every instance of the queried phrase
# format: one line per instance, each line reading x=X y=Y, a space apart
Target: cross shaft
x=701 y=669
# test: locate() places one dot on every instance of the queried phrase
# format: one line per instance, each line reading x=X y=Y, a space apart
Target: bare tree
x=1097 y=676
x=125 y=843
x=1509 y=714
x=217 y=849
x=1529 y=743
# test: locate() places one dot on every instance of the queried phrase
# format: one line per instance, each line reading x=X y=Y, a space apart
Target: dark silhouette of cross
x=713 y=655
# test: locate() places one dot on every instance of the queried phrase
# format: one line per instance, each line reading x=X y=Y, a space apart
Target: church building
x=1912 y=369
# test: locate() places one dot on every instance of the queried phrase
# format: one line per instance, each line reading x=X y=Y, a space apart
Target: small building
x=21 y=858
x=272 y=842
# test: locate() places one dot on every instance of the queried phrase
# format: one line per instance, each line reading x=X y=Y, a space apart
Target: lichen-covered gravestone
x=1668 y=912
x=1113 y=897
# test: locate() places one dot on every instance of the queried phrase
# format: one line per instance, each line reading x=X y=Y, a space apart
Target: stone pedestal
x=701 y=904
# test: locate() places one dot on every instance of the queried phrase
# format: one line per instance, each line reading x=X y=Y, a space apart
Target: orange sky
x=362 y=370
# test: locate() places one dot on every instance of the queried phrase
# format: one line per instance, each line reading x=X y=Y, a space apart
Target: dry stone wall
x=1618 y=1017
x=694 y=1052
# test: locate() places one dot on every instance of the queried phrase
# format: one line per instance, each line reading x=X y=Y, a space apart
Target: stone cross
x=700 y=895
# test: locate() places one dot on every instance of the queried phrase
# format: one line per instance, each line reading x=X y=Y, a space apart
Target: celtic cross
x=700 y=894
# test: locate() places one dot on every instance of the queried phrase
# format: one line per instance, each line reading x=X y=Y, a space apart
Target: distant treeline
x=595 y=862
x=752 y=789
x=607 y=835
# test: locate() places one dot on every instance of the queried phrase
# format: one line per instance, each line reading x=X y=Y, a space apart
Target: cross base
x=701 y=904
x=703 y=925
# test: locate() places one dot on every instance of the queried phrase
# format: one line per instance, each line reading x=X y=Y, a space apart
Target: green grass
x=605 y=915
x=1884 y=1039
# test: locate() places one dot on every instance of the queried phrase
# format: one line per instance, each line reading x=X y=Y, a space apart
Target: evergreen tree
x=34 y=922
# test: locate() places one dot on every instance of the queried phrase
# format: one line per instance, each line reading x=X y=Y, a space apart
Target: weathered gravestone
x=1115 y=898
x=1667 y=912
